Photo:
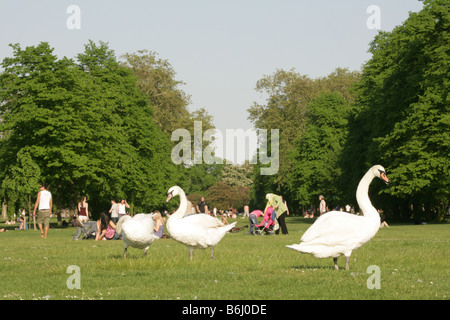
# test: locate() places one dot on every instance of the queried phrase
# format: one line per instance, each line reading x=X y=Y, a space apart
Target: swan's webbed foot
x=335 y=264
x=212 y=253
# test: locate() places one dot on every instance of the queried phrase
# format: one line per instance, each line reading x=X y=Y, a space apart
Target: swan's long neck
x=362 y=196
x=183 y=205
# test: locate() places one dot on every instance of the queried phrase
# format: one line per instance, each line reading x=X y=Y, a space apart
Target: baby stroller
x=267 y=226
x=269 y=230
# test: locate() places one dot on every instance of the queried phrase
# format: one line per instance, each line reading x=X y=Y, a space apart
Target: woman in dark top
x=83 y=210
x=106 y=228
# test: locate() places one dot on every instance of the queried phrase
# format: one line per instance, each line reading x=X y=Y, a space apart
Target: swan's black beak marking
x=384 y=177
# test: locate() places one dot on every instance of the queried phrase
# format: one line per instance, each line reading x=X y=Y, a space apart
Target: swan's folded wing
x=143 y=216
x=335 y=227
x=204 y=220
x=140 y=224
x=139 y=232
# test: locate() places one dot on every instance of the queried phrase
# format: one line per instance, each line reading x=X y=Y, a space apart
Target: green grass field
x=413 y=261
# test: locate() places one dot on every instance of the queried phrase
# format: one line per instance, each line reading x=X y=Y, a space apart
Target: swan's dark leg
x=335 y=264
x=212 y=253
x=125 y=252
x=347 y=263
x=190 y=253
x=145 y=252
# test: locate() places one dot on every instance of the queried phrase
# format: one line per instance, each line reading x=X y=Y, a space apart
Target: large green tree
x=288 y=96
x=316 y=154
x=38 y=101
x=156 y=78
x=86 y=125
x=20 y=183
x=402 y=115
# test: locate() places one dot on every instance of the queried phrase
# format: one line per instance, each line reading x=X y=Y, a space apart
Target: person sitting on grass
x=106 y=229
x=224 y=219
x=23 y=224
x=88 y=228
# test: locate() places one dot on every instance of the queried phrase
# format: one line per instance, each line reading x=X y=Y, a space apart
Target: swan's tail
x=304 y=248
x=230 y=226
x=295 y=247
x=317 y=251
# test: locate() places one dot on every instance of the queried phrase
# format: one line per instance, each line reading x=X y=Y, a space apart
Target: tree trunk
x=58 y=206
x=4 y=211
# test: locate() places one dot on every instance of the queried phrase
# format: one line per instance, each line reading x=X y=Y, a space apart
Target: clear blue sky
x=220 y=49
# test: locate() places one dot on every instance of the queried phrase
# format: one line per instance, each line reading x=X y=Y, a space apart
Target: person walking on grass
x=44 y=204
x=281 y=219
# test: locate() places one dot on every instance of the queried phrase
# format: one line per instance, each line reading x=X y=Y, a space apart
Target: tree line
x=395 y=112
x=95 y=126
x=100 y=126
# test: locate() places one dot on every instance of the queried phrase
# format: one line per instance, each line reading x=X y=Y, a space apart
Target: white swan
x=197 y=231
x=137 y=231
x=338 y=233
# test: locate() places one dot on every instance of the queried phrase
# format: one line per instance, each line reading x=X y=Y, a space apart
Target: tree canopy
x=290 y=96
x=100 y=127
x=156 y=79
x=315 y=155
x=84 y=125
x=394 y=113
x=402 y=117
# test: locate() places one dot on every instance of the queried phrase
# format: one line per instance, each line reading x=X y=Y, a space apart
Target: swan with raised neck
x=177 y=191
x=196 y=230
x=338 y=233
x=362 y=192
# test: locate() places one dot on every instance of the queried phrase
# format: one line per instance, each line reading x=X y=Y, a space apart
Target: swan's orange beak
x=384 y=177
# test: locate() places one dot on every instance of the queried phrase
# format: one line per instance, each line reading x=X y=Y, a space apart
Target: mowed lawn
x=413 y=263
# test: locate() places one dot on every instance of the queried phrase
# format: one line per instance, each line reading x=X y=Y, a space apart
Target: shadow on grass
x=133 y=256
x=312 y=267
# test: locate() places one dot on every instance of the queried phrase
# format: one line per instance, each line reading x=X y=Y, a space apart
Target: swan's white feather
x=199 y=231
x=195 y=231
x=137 y=231
x=338 y=233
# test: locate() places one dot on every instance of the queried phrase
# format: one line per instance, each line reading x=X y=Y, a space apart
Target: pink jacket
x=257 y=213
x=267 y=221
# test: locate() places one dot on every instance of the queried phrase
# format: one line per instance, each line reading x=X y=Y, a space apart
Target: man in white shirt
x=44 y=202
x=113 y=211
